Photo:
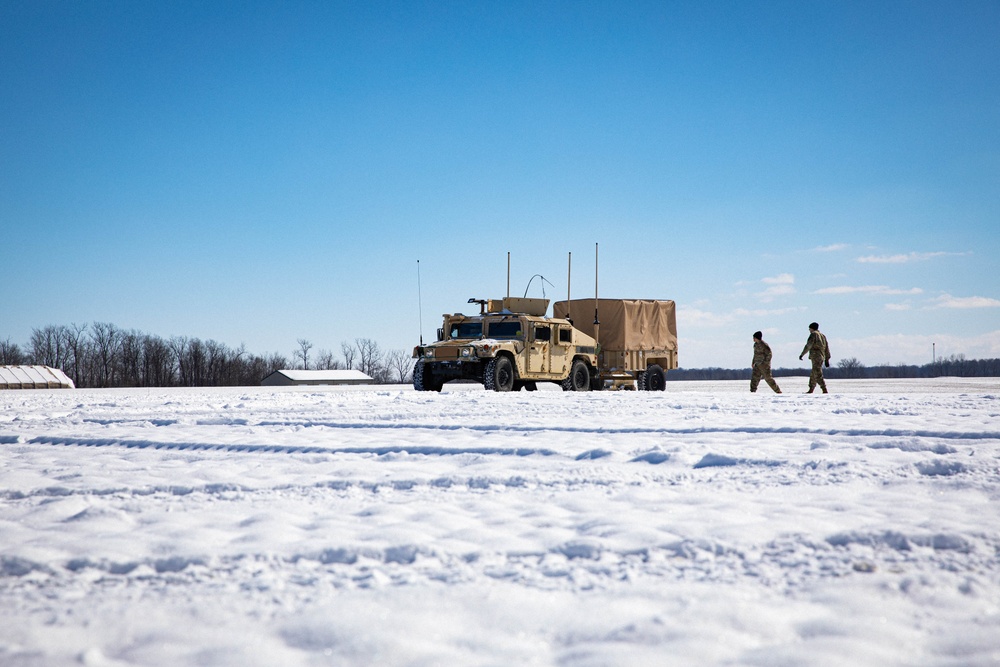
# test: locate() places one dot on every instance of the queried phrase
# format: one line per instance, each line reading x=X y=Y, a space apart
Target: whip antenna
x=597 y=321
x=569 y=276
x=420 y=305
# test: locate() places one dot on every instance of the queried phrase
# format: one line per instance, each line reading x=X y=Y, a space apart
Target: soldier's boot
x=811 y=387
x=823 y=387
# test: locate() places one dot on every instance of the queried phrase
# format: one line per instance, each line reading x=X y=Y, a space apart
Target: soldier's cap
x=758 y=335
x=814 y=326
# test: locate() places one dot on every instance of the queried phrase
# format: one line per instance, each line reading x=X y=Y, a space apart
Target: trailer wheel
x=578 y=378
x=640 y=381
x=655 y=378
x=499 y=375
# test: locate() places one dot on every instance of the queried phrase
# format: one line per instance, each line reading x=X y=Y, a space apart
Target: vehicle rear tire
x=656 y=379
x=578 y=378
x=499 y=375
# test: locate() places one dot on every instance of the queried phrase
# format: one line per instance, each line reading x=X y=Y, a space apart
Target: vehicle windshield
x=466 y=330
x=506 y=329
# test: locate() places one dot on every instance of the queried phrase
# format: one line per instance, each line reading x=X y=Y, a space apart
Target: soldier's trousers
x=763 y=371
x=816 y=377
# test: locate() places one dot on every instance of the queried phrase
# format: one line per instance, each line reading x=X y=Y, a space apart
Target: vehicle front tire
x=578 y=378
x=423 y=378
x=499 y=375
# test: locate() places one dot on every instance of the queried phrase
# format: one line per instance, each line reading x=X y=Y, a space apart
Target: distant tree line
x=104 y=355
x=954 y=366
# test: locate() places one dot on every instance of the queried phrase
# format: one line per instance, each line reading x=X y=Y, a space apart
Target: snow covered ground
x=703 y=525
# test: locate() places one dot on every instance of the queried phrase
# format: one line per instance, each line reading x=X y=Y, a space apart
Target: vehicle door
x=560 y=351
x=539 y=348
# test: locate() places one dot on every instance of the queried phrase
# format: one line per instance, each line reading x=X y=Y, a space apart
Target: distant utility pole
x=933 y=353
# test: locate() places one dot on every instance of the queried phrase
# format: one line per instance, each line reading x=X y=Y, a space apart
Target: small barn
x=289 y=378
x=34 y=377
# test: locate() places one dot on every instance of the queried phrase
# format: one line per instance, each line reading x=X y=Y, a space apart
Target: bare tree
x=130 y=359
x=105 y=337
x=325 y=361
x=303 y=352
x=370 y=359
x=851 y=368
x=76 y=346
x=350 y=354
x=400 y=364
x=10 y=353
x=178 y=345
x=158 y=363
x=48 y=346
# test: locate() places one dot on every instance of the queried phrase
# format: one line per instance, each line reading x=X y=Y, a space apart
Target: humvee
x=508 y=346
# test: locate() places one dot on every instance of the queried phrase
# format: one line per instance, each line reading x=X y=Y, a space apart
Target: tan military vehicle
x=508 y=346
x=511 y=345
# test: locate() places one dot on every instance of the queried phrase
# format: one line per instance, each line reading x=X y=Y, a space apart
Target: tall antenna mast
x=569 y=276
x=597 y=321
x=420 y=305
x=508 y=274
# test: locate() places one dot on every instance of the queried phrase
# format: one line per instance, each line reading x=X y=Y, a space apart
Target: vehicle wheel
x=656 y=379
x=499 y=375
x=640 y=381
x=578 y=378
x=423 y=379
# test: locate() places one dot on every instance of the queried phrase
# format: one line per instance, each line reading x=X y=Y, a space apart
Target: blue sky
x=258 y=172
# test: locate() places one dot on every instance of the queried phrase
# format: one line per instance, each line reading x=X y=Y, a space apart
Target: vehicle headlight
x=428 y=352
x=466 y=351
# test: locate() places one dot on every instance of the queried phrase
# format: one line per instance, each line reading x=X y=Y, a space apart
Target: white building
x=288 y=378
x=33 y=377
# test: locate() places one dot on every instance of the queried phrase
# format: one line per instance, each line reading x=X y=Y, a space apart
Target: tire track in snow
x=427 y=450
x=696 y=430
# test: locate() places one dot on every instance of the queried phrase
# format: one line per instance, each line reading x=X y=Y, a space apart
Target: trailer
x=636 y=339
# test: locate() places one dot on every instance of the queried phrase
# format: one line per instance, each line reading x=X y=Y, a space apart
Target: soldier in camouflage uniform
x=761 y=364
x=819 y=353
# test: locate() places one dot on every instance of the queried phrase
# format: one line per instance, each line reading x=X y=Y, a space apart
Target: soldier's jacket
x=817 y=347
x=761 y=353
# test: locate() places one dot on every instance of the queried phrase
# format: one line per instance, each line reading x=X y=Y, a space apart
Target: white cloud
x=868 y=289
x=898 y=306
x=832 y=248
x=906 y=258
x=779 y=285
x=696 y=317
x=949 y=301
x=782 y=279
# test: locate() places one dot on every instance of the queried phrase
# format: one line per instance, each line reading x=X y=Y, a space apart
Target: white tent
x=288 y=378
x=33 y=377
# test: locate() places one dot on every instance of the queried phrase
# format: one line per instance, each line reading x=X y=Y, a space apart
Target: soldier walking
x=761 y=364
x=819 y=353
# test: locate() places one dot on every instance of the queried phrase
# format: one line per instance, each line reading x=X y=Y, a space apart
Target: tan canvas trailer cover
x=633 y=332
